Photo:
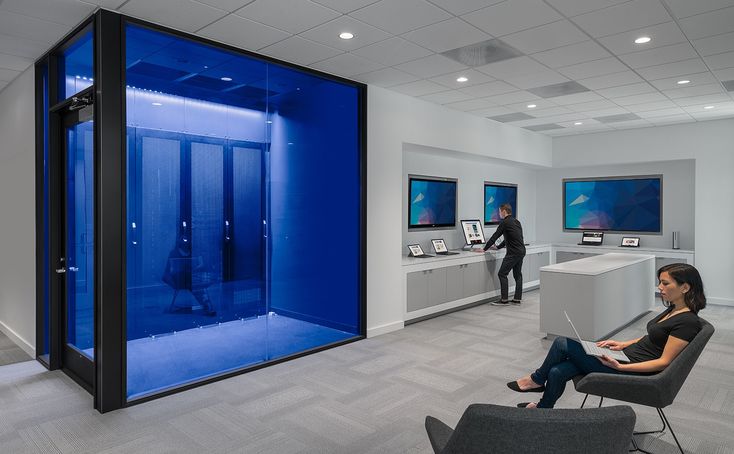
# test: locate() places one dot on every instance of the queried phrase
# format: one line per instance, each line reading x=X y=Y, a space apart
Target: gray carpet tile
x=367 y=397
x=10 y=353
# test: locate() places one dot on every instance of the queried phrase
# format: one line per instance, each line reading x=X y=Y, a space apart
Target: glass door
x=77 y=242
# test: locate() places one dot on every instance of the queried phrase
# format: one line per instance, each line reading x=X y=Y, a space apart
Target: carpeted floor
x=10 y=353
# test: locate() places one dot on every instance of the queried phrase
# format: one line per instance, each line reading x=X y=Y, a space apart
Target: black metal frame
x=109 y=383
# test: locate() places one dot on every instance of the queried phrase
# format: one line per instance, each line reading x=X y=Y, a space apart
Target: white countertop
x=463 y=255
x=612 y=247
x=597 y=264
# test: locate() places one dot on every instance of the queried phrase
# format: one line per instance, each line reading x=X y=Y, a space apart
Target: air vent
x=545 y=127
x=728 y=85
x=507 y=118
x=483 y=53
x=564 y=88
x=617 y=118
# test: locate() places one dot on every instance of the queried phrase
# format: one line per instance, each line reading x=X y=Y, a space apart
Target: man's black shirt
x=512 y=231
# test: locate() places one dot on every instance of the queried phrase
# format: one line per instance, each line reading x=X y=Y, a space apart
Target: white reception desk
x=601 y=294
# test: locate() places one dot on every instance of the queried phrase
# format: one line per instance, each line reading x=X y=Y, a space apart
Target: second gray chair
x=487 y=428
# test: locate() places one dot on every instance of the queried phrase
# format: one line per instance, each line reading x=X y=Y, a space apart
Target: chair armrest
x=438 y=433
x=638 y=389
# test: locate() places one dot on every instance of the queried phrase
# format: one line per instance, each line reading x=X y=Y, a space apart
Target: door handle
x=61 y=270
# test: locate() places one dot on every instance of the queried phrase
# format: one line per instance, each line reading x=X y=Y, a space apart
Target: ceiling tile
x=640 y=99
x=510 y=17
x=611 y=80
x=592 y=106
x=576 y=7
x=512 y=67
x=475 y=78
x=21 y=47
x=672 y=119
x=623 y=17
x=328 y=33
x=708 y=24
x=661 y=112
x=298 y=50
x=492 y=111
x=541 y=104
x=576 y=98
x=670 y=83
x=685 y=8
x=636 y=108
x=489 y=89
x=418 y=88
x=226 y=5
x=606 y=112
x=446 y=97
x=431 y=66
x=697 y=90
x=459 y=7
x=702 y=100
x=593 y=68
x=571 y=55
x=642 y=123
x=447 y=35
x=243 y=33
x=550 y=36
x=661 y=34
x=3 y=84
x=67 y=12
x=472 y=104
x=626 y=90
x=725 y=74
x=14 y=63
x=185 y=15
x=720 y=61
x=347 y=65
x=393 y=51
x=386 y=77
x=659 y=55
x=30 y=28
x=715 y=44
x=345 y=6
x=109 y=4
x=511 y=98
x=6 y=75
x=681 y=68
x=538 y=79
x=552 y=111
x=302 y=14
x=400 y=16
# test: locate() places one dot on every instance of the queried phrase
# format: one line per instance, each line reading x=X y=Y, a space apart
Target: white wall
x=678 y=201
x=17 y=205
x=393 y=121
x=711 y=144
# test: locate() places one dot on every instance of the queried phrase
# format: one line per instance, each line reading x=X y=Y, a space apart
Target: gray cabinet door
x=492 y=282
x=417 y=290
x=472 y=279
x=454 y=282
x=531 y=261
x=436 y=286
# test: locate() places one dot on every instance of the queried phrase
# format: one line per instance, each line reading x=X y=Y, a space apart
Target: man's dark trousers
x=514 y=263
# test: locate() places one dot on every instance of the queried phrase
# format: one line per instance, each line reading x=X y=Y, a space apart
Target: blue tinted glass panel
x=432 y=203
x=231 y=164
x=495 y=196
x=629 y=205
x=76 y=65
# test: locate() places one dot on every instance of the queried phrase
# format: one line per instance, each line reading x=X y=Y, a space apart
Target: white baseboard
x=720 y=301
x=19 y=341
x=384 y=329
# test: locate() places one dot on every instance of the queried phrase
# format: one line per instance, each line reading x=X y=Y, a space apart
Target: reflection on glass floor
x=161 y=362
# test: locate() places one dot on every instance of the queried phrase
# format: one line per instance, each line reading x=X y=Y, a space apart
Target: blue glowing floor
x=167 y=361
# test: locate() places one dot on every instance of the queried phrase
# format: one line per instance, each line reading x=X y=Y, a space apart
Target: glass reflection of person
x=192 y=276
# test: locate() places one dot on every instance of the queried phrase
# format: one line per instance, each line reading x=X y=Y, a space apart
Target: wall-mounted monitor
x=431 y=202
x=495 y=195
x=614 y=204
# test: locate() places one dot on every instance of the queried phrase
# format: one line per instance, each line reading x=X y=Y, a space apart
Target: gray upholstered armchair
x=658 y=390
x=485 y=428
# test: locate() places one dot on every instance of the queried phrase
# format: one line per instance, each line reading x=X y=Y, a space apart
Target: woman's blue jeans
x=565 y=359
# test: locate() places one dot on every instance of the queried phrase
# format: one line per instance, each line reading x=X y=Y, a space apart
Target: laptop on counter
x=417 y=251
x=440 y=247
x=592 y=349
x=590 y=238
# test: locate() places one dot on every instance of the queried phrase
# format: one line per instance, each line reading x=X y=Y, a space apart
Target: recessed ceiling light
x=578 y=123
x=643 y=40
x=709 y=107
x=462 y=79
x=226 y=79
x=156 y=104
x=346 y=35
x=532 y=106
x=683 y=82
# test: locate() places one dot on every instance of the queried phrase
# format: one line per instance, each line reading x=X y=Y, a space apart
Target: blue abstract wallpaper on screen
x=494 y=196
x=432 y=203
x=625 y=205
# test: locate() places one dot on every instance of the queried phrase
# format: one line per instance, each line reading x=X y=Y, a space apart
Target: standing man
x=511 y=228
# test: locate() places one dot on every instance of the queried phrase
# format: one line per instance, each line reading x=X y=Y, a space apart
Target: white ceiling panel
x=632 y=124
x=512 y=67
x=492 y=111
x=556 y=34
x=576 y=98
x=67 y=12
x=328 y=33
x=685 y=8
x=626 y=90
x=702 y=100
x=243 y=33
x=659 y=55
x=472 y=104
x=725 y=74
x=15 y=63
x=576 y=7
x=681 y=68
x=552 y=111
x=623 y=17
x=611 y=80
x=671 y=83
x=510 y=17
x=419 y=88
x=697 y=90
x=21 y=47
x=708 y=24
x=6 y=75
x=347 y=65
x=446 y=97
x=715 y=44
x=720 y=61
x=226 y=5
x=447 y=35
x=301 y=15
x=661 y=112
x=669 y=120
x=475 y=78
x=650 y=106
x=512 y=98
x=489 y=89
x=606 y=112
x=393 y=51
x=302 y=51
x=30 y=28
x=640 y=99
x=345 y=6
x=3 y=84
x=540 y=104
x=538 y=79
x=431 y=66
x=593 y=68
x=459 y=7
x=593 y=105
x=187 y=15
x=661 y=34
x=571 y=55
x=386 y=77
x=400 y=16
x=109 y=4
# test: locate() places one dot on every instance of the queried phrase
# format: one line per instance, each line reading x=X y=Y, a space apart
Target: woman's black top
x=683 y=326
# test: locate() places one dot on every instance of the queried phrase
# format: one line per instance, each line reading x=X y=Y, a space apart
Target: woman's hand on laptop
x=610 y=362
x=610 y=344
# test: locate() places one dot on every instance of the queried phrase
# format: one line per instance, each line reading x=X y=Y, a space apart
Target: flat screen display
x=431 y=202
x=625 y=204
x=495 y=195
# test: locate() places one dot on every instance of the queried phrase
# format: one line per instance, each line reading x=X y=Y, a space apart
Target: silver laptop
x=592 y=349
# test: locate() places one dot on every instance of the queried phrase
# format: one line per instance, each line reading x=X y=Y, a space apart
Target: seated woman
x=681 y=290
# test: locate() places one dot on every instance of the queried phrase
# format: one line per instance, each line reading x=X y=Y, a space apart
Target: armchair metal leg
x=665 y=421
x=660 y=414
x=586 y=397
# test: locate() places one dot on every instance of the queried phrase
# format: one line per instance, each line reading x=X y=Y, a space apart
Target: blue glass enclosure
x=76 y=65
x=243 y=211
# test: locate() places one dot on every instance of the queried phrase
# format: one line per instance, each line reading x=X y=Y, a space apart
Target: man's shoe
x=500 y=303
x=516 y=302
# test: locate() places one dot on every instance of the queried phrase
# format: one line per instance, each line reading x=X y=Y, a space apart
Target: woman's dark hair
x=507 y=208
x=683 y=273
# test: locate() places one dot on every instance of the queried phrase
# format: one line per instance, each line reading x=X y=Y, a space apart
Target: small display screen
x=473 y=231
